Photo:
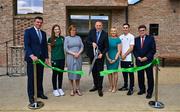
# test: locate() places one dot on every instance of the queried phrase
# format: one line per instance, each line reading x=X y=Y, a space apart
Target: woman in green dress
x=112 y=58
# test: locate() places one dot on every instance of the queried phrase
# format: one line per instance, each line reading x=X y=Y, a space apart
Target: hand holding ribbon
x=133 y=69
x=57 y=69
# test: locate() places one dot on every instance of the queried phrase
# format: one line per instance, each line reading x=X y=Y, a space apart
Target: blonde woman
x=112 y=58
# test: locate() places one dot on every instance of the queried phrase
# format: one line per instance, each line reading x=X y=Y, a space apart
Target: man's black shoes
x=123 y=88
x=42 y=96
x=31 y=100
x=93 y=89
x=100 y=93
x=149 y=96
x=130 y=92
x=141 y=92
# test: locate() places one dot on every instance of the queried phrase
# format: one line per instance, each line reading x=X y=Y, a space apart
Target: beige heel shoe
x=72 y=92
x=78 y=92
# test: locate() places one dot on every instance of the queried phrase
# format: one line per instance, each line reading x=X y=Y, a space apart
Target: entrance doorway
x=85 y=21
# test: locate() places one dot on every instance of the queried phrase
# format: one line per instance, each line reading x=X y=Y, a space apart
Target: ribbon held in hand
x=59 y=70
x=133 y=69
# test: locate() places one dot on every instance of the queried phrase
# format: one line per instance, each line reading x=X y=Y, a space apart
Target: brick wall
x=6 y=26
x=166 y=13
x=56 y=12
x=20 y=24
x=118 y=18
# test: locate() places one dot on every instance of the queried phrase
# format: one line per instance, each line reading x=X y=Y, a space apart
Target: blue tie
x=39 y=35
x=97 y=36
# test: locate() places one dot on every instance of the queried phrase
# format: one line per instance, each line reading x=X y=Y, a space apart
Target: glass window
x=154 y=29
x=133 y=1
x=29 y=6
x=81 y=21
x=84 y=22
x=102 y=18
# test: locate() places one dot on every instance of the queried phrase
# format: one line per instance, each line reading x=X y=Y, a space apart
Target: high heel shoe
x=114 y=90
x=78 y=92
x=72 y=92
x=110 y=89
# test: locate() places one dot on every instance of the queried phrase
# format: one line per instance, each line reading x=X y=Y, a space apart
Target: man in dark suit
x=144 y=51
x=35 y=44
x=97 y=38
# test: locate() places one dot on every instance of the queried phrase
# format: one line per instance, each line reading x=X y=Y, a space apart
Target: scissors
x=96 y=51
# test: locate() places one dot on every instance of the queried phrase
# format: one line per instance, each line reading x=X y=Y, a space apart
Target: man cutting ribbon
x=97 y=40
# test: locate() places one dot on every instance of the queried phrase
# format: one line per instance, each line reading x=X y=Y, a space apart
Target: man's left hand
x=144 y=59
x=100 y=56
x=47 y=61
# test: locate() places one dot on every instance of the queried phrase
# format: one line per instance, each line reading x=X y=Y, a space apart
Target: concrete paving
x=13 y=95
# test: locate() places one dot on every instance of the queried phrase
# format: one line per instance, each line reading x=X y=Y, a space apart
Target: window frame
x=155 y=27
x=15 y=4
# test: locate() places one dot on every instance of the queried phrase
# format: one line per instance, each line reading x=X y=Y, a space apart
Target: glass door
x=86 y=21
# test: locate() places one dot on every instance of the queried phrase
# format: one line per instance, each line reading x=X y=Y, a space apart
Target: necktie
x=142 y=42
x=97 y=36
x=39 y=35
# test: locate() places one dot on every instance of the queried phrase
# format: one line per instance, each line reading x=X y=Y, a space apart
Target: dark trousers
x=128 y=64
x=57 y=77
x=30 y=76
x=97 y=79
x=150 y=79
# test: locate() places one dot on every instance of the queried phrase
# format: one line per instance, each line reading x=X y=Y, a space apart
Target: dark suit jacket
x=103 y=43
x=33 y=45
x=148 y=50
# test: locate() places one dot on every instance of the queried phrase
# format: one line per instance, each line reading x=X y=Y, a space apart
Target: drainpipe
x=126 y=14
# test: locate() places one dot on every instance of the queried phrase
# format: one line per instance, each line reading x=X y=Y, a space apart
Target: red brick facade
x=166 y=13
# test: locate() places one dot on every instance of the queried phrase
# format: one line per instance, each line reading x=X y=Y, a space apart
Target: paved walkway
x=13 y=96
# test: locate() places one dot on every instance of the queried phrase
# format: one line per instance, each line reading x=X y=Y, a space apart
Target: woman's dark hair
x=53 y=37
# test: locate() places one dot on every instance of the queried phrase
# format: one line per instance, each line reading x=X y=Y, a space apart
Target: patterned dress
x=73 y=44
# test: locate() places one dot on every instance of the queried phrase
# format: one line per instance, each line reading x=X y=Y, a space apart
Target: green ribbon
x=105 y=72
x=133 y=69
x=59 y=70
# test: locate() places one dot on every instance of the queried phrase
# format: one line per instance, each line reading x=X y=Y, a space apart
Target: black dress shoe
x=123 y=88
x=149 y=96
x=130 y=92
x=100 y=93
x=93 y=89
x=141 y=92
x=31 y=100
x=31 y=106
x=42 y=96
x=34 y=106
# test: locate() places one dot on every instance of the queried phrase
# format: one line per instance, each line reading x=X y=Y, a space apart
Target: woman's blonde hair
x=70 y=28
x=115 y=29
